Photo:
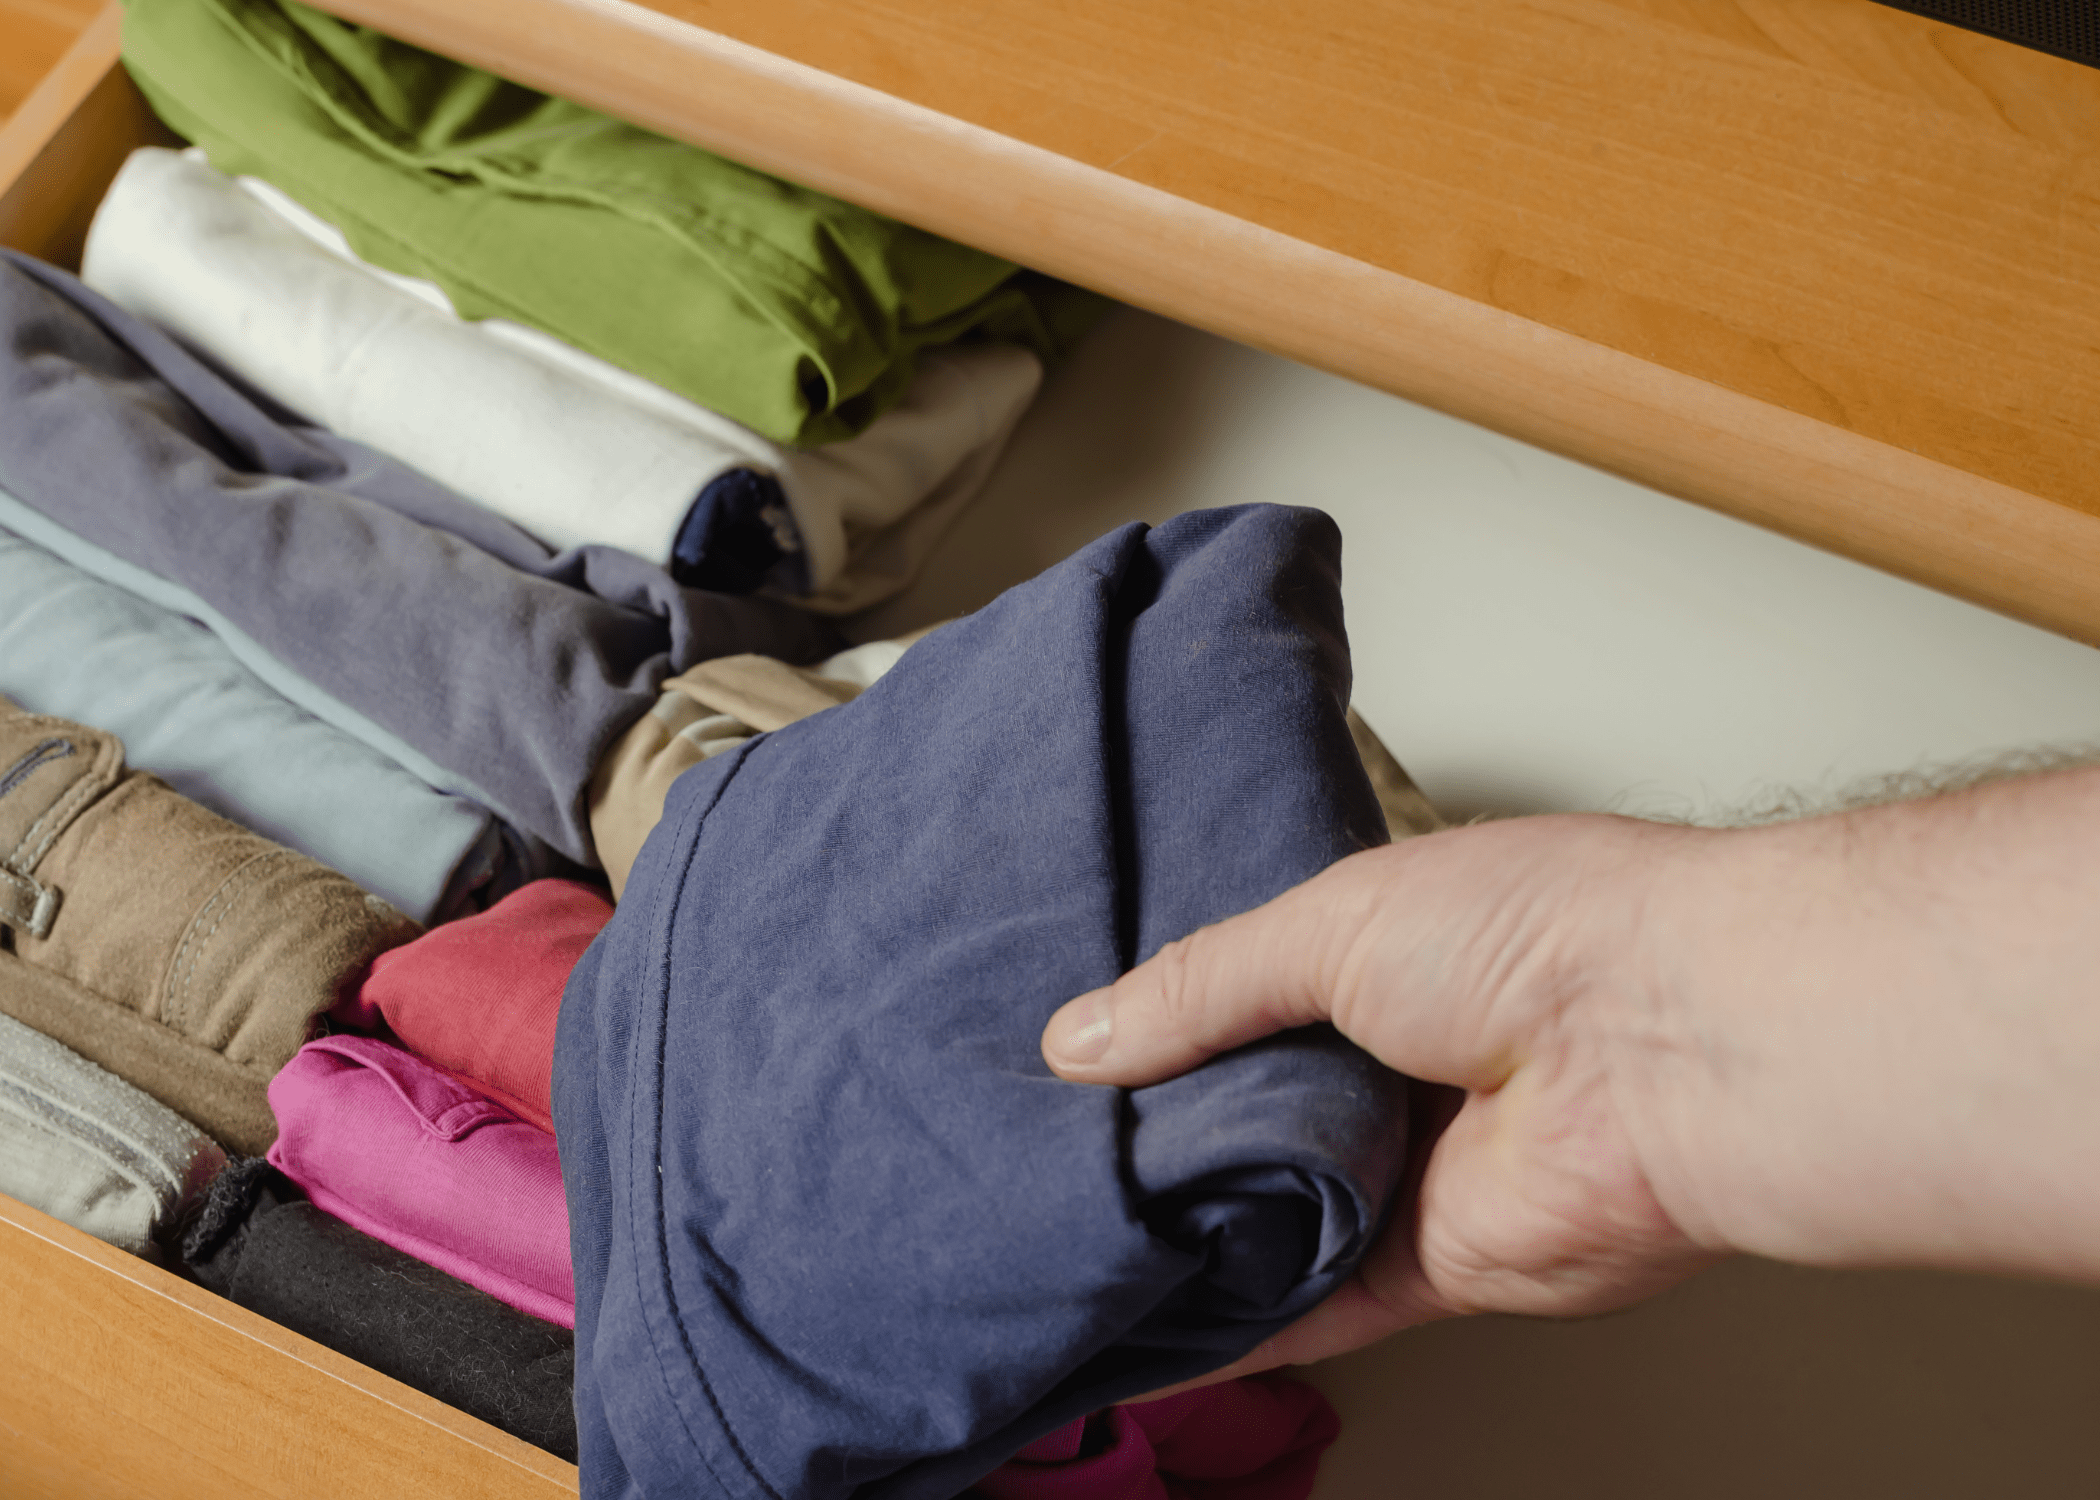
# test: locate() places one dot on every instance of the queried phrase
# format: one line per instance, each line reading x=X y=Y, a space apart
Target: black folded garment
x=257 y=1243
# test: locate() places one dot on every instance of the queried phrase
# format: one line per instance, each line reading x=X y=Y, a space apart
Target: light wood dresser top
x=1820 y=263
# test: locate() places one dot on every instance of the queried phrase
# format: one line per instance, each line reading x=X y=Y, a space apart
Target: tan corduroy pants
x=181 y=952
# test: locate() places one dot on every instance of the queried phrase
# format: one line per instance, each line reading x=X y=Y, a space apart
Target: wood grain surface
x=33 y=35
x=1869 y=218
x=61 y=148
x=119 y=1379
x=1819 y=263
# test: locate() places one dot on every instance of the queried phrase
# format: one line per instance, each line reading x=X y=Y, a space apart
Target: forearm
x=1865 y=1039
x=1887 y=1038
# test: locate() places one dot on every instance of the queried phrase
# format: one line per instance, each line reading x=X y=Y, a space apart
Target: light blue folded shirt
x=189 y=710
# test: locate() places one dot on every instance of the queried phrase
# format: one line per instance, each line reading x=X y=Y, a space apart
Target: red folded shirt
x=479 y=997
x=1258 y=1438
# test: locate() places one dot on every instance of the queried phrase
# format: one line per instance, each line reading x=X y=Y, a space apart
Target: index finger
x=1221 y=987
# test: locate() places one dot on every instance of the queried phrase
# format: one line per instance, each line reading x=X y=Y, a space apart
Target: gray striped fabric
x=84 y=1146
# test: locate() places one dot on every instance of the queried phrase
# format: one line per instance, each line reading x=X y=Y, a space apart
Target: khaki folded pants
x=185 y=954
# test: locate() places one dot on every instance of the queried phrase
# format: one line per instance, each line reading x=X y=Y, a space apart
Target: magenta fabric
x=479 y=996
x=1254 y=1439
x=407 y=1153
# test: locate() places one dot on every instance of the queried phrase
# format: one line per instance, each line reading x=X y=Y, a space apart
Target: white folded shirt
x=572 y=449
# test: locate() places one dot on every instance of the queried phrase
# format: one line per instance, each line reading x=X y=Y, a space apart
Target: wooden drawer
x=118 y=1378
x=60 y=150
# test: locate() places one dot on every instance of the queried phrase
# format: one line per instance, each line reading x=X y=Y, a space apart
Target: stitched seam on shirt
x=635 y=1237
x=179 y=982
x=663 y=1228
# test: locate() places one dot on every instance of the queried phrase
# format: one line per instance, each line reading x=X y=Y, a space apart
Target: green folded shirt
x=792 y=312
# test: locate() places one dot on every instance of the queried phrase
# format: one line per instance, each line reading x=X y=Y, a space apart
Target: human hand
x=1871 y=1038
x=1504 y=961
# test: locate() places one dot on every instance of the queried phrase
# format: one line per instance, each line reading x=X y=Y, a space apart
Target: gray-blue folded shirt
x=837 y=1229
x=510 y=667
x=79 y=648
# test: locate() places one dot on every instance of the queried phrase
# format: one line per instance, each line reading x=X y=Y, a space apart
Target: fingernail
x=1079 y=1033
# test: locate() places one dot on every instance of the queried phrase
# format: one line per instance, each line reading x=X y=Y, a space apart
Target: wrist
x=1880 y=1039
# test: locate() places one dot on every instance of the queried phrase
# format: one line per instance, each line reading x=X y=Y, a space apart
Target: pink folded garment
x=410 y=1155
x=1254 y=1439
x=479 y=996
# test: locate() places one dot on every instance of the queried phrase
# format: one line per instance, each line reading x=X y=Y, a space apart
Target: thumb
x=1221 y=987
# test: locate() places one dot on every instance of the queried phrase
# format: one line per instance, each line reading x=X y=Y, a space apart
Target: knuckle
x=1177 y=986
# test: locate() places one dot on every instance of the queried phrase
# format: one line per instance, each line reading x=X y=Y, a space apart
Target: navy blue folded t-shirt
x=837 y=1228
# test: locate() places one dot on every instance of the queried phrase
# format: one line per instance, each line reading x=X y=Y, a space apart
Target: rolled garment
x=186 y=955
x=570 y=448
x=479 y=997
x=254 y=1243
x=189 y=712
x=701 y=713
x=1258 y=1438
x=721 y=703
x=413 y=1157
x=808 y=1133
x=82 y=1145
x=793 y=313
x=420 y=611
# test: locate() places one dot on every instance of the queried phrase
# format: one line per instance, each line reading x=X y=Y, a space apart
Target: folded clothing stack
x=787 y=311
x=412 y=1156
x=507 y=669
x=186 y=955
x=902 y=812
x=479 y=997
x=572 y=449
x=194 y=958
x=187 y=710
x=482 y=470
x=257 y=1244
x=740 y=380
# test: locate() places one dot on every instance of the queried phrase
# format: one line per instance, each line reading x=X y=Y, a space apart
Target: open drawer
x=119 y=1379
